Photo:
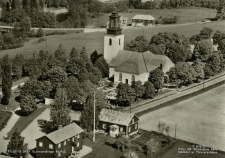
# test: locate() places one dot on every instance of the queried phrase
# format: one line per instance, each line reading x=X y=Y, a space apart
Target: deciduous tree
x=16 y=144
x=138 y=88
x=139 y=44
x=203 y=50
x=125 y=93
x=149 y=92
x=156 y=77
x=28 y=104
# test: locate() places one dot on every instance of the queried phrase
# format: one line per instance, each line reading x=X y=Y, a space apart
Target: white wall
x=110 y=51
x=111 y=71
x=141 y=77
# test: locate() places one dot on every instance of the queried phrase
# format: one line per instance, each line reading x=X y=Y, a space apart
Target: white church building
x=127 y=66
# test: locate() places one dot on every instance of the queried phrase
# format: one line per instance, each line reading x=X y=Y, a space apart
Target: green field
x=187 y=15
x=94 y=41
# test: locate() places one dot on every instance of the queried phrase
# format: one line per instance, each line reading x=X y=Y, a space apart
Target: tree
x=26 y=6
x=56 y=76
x=214 y=65
x=74 y=53
x=199 y=68
x=156 y=77
x=205 y=33
x=139 y=44
x=221 y=46
x=60 y=54
x=122 y=142
x=87 y=115
x=182 y=73
x=178 y=53
x=152 y=147
x=84 y=55
x=6 y=80
x=73 y=90
x=125 y=93
x=38 y=89
x=17 y=66
x=103 y=66
x=15 y=4
x=16 y=144
x=76 y=66
x=1 y=41
x=94 y=56
x=217 y=37
x=40 y=33
x=138 y=88
x=28 y=105
x=165 y=39
x=203 y=50
x=156 y=49
x=60 y=114
x=149 y=92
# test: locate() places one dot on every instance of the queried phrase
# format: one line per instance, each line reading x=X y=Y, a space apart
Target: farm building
x=140 y=20
x=130 y=66
x=61 y=143
x=115 y=122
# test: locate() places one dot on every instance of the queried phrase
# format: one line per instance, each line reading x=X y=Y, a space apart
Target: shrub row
x=182 y=98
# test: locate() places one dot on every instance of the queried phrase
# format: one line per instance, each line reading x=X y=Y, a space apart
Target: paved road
x=177 y=95
x=10 y=124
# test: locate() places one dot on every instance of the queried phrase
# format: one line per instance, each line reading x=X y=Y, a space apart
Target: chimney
x=60 y=127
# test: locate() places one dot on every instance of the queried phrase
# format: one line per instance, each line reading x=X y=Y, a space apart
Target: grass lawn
x=187 y=15
x=4 y=118
x=100 y=149
x=95 y=41
x=173 y=152
x=23 y=121
x=198 y=119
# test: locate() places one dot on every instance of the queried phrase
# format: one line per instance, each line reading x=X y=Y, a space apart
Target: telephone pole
x=94 y=120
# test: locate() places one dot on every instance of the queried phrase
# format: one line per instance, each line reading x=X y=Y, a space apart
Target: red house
x=60 y=143
x=115 y=122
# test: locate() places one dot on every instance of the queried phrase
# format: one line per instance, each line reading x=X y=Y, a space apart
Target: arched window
x=110 y=41
x=120 y=77
x=119 y=41
x=133 y=78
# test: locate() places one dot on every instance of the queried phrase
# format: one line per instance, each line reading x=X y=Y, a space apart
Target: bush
x=40 y=33
x=136 y=147
x=41 y=39
x=110 y=141
x=55 y=33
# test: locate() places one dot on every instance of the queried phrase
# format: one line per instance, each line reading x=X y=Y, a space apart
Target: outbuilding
x=115 y=122
x=140 y=20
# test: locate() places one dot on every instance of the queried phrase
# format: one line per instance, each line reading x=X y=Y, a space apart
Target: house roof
x=143 y=17
x=117 y=117
x=65 y=133
x=138 y=63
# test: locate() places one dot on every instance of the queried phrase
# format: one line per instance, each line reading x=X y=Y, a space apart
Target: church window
x=120 y=77
x=110 y=41
x=119 y=41
x=133 y=78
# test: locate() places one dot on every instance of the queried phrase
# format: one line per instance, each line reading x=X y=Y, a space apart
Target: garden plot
x=200 y=120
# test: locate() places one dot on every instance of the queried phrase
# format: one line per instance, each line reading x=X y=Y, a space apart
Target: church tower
x=114 y=39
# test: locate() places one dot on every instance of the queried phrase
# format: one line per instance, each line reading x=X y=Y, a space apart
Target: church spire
x=114 y=24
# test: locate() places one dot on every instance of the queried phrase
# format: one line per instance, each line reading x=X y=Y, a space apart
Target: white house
x=140 y=20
